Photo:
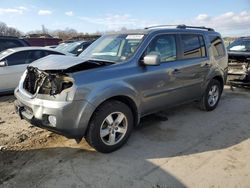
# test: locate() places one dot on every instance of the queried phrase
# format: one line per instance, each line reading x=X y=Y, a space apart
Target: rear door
x=11 y=74
x=193 y=66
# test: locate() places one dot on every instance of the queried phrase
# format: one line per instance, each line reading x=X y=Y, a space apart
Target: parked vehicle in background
x=11 y=42
x=239 y=62
x=102 y=94
x=73 y=47
x=64 y=44
x=14 y=61
x=41 y=40
x=52 y=46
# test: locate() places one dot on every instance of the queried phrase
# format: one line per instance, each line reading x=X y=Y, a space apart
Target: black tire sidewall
x=93 y=135
x=212 y=83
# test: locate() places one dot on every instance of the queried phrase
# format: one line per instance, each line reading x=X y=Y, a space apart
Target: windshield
x=63 y=46
x=115 y=48
x=240 y=46
x=71 y=48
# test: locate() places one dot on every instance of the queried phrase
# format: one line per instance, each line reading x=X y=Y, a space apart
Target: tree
x=65 y=34
x=8 y=31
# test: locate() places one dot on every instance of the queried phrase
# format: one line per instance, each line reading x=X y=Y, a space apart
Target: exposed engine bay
x=43 y=82
x=53 y=82
x=239 y=70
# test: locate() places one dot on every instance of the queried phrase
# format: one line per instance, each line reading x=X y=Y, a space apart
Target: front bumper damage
x=58 y=113
x=47 y=95
x=239 y=72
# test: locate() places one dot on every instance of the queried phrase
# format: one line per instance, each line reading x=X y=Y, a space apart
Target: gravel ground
x=191 y=149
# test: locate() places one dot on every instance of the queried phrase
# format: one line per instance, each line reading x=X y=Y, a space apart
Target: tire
x=105 y=133
x=207 y=103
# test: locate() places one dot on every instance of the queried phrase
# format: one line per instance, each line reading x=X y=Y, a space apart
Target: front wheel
x=212 y=95
x=110 y=126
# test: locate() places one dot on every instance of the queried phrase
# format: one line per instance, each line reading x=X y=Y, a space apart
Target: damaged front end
x=239 y=70
x=48 y=79
x=46 y=84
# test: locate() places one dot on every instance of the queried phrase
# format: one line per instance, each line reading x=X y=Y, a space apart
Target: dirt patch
x=181 y=147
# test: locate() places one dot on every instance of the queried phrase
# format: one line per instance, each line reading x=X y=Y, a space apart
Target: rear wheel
x=211 y=96
x=110 y=126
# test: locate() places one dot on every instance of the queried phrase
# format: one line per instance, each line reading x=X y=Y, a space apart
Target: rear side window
x=193 y=46
x=34 y=55
x=217 y=46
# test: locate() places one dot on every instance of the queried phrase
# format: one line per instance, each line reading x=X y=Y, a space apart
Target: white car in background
x=14 y=61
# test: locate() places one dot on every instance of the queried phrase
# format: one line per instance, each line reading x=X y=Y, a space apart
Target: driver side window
x=164 y=46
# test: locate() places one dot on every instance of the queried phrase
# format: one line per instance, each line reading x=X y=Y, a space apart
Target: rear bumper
x=72 y=117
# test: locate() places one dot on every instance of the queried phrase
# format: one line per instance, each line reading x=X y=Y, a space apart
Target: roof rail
x=181 y=27
x=155 y=26
x=194 y=27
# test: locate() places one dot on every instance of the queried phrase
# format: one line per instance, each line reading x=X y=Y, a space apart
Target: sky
x=229 y=17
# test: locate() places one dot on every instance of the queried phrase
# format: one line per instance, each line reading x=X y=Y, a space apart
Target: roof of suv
x=168 y=28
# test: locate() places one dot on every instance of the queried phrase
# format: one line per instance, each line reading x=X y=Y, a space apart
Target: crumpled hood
x=57 y=62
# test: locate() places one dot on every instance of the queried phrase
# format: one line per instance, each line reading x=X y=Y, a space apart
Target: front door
x=158 y=84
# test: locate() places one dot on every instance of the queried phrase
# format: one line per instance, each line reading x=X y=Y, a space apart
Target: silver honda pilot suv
x=102 y=94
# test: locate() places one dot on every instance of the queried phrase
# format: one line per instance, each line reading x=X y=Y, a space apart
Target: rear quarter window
x=217 y=46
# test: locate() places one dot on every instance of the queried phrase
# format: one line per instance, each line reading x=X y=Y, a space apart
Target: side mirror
x=3 y=63
x=152 y=60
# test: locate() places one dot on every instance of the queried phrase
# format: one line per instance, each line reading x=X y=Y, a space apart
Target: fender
x=97 y=96
x=215 y=71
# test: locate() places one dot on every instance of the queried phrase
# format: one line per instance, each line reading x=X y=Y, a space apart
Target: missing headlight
x=43 y=82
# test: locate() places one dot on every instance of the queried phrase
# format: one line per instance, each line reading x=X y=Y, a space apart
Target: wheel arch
x=126 y=100
x=130 y=103
x=220 y=79
x=216 y=74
